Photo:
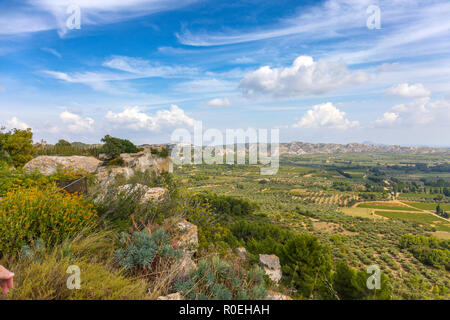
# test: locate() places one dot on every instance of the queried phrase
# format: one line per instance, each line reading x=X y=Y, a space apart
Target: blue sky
x=141 y=68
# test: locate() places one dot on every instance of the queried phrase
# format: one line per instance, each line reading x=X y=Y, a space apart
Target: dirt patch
x=441 y=234
x=325 y=226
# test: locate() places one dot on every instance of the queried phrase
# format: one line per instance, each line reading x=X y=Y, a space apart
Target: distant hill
x=304 y=148
x=301 y=148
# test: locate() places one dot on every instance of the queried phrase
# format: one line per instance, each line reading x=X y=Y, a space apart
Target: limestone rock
x=145 y=160
x=187 y=241
x=172 y=296
x=272 y=266
x=48 y=165
x=242 y=253
x=107 y=175
x=273 y=295
x=156 y=194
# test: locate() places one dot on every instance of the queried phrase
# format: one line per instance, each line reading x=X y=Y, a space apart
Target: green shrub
x=46 y=213
x=145 y=252
x=226 y=205
x=163 y=153
x=16 y=147
x=117 y=161
x=216 y=279
x=350 y=284
x=429 y=250
x=46 y=279
x=305 y=262
x=113 y=147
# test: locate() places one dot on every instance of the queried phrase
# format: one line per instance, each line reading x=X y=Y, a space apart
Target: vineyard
x=358 y=231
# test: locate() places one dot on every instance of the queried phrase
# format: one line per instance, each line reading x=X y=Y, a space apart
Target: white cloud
x=304 y=77
x=388 y=118
x=243 y=60
x=41 y=15
x=122 y=69
x=219 y=102
x=145 y=68
x=421 y=111
x=405 y=90
x=75 y=123
x=15 y=123
x=325 y=116
x=134 y=118
x=52 y=51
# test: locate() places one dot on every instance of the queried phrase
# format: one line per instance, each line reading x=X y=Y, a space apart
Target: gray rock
x=273 y=295
x=272 y=266
x=48 y=165
x=172 y=296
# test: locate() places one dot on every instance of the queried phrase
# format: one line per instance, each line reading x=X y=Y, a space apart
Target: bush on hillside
x=113 y=147
x=429 y=250
x=226 y=205
x=41 y=271
x=216 y=279
x=351 y=284
x=145 y=252
x=305 y=262
x=16 y=147
x=46 y=213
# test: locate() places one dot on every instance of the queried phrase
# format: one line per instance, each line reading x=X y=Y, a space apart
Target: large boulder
x=145 y=160
x=187 y=241
x=272 y=266
x=48 y=165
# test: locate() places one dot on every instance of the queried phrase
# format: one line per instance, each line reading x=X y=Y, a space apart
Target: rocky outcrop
x=107 y=175
x=272 y=266
x=48 y=165
x=172 y=296
x=273 y=295
x=241 y=253
x=132 y=162
x=145 y=160
x=154 y=194
x=187 y=241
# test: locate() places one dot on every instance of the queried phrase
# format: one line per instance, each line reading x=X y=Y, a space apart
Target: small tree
x=16 y=146
x=63 y=143
x=113 y=147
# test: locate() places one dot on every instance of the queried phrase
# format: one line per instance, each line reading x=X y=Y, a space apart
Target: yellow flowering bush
x=46 y=213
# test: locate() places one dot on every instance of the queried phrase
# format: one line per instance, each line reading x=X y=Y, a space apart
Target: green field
x=419 y=217
x=380 y=206
x=428 y=206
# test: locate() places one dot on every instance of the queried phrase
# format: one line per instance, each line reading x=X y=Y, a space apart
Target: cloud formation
x=325 y=116
x=388 y=119
x=14 y=122
x=75 y=123
x=41 y=15
x=405 y=90
x=421 y=111
x=304 y=77
x=133 y=118
x=219 y=102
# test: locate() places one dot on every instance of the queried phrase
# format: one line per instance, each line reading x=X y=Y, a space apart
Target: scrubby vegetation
x=308 y=215
x=113 y=147
x=430 y=250
x=16 y=147
x=217 y=279
x=41 y=213
x=142 y=251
